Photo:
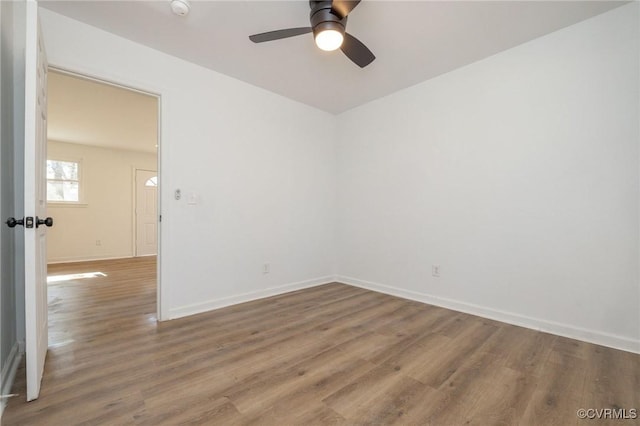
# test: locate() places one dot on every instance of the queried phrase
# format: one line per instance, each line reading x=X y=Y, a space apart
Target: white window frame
x=81 y=184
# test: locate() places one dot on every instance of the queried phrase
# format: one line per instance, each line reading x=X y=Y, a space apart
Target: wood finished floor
x=332 y=354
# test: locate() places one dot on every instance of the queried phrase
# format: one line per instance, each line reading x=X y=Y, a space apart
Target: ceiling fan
x=328 y=23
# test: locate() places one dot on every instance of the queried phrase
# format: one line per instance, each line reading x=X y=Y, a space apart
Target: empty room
x=363 y=212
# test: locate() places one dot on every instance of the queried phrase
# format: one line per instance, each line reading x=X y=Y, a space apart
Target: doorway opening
x=103 y=174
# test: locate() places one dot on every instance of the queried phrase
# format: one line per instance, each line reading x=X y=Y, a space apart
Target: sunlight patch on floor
x=59 y=278
x=60 y=344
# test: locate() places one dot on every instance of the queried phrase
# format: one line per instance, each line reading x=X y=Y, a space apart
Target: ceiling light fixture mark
x=180 y=7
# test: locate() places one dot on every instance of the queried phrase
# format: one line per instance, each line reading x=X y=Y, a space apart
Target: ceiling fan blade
x=343 y=7
x=278 y=34
x=356 y=51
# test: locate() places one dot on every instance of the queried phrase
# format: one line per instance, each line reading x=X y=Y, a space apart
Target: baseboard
x=9 y=374
x=84 y=259
x=210 y=305
x=564 y=330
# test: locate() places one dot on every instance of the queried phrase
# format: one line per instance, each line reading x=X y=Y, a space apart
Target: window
x=63 y=181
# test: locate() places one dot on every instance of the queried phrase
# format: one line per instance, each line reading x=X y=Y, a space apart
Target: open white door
x=35 y=203
x=146 y=212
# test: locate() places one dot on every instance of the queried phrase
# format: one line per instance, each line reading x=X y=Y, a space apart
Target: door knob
x=47 y=222
x=12 y=222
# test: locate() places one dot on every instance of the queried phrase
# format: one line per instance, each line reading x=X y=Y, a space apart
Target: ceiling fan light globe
x=329 y=40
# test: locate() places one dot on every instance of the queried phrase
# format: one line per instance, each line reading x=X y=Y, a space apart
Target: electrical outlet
x=98 y=242
x=266 y=268
x=435 y=270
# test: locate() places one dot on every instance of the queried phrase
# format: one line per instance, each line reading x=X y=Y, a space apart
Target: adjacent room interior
x=448 y=233
x=102 y=170
x=102 y=184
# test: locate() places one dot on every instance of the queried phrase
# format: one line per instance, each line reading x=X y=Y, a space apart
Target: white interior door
x=35 y=203
x=146 y=212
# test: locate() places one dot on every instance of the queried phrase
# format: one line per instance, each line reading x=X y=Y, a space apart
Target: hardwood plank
x=521 y=349
x=559 y=391
x=207 y=409
x=442 y=356
x=371 y=395
x=612 y=382
x=266 y=387
x=312 y=413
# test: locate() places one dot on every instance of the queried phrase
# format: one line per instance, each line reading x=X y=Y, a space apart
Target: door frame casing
x=161 y=310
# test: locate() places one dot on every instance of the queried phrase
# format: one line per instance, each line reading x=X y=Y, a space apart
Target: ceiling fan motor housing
x=323 y=18
x=328 y=23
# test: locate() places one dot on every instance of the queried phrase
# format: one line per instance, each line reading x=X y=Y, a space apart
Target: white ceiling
x=413 y=40
x=90 y=113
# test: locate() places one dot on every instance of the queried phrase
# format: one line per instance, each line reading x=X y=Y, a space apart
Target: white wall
x=107 y=210
x=518 y=175
x=261 y=166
